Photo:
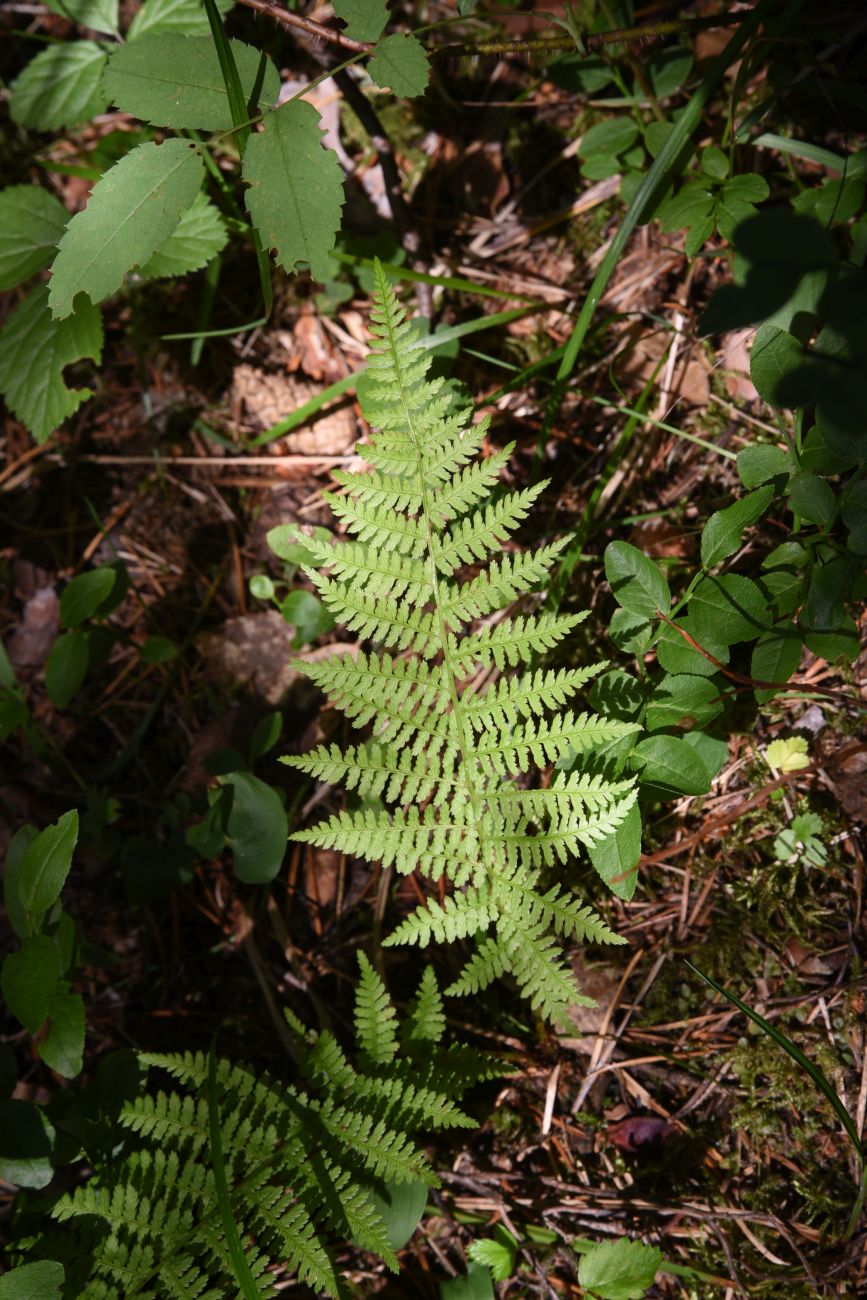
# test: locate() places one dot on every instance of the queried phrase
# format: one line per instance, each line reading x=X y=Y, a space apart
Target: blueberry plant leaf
x=46 y=863
x=185 y=16
x=722 y=532
x=31 y=224
x=296 y=188
x=670 y=764
x=66 y=666
x=776 y=656
x=60 y=87
x=615 y=857
x=133 y=210
x=41 y=1280
x=400 y=65
x=34 y=349
x=99 y=15
x=365 y=19
x=29 y=979
x=83 y=595
x=172 y=80
x=200 y=234
x=635 y=581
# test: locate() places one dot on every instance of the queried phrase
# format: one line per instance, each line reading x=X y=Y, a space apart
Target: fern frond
x=425 y=1020
x=442 y=754
x=375 y=1017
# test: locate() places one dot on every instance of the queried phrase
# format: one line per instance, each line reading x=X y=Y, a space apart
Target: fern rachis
x=442 y=754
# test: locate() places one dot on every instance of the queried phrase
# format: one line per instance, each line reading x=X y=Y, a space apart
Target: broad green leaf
x=29 y=979
x=722 y=532
x=619 y=1270
x=61 y=87
x=41 y=1280
x=172 y=80
x=684 y=701
x=200 y=234
x=31 y=224
x=100 y=15
x=46 y=863
x=776 y=655
x=63 y=1047
x=732 y=213
x=812 y=498
x=714 y=162
x=839 y=200
x=698 y=235
x=257 y=828
x=635 y=581
x=670 y=764
x=712 y=751
x=265 y=735
x=728 y=609
x=16 y=912
x=775 y=356
x=34 y=349
x=840 y=642
x=785 y=587
x=630 y=631
x=26 y=1143
x=610 y=138
x=296 y=190
x=677 y=655
x=669 y=69
x=365 y=19
x=788 y=754
x=693 y=203
x=66 y=666
x=399 y=1205
x=185 y=16
x=133 y=210
x=616 y=857
x=400 y=65
x=759 y=464
x=477 y=1285
x=308 y=615
x=83 y=595
x=746 y=188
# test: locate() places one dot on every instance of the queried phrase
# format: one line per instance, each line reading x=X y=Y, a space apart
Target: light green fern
x=300 y=1166
x=449 y=735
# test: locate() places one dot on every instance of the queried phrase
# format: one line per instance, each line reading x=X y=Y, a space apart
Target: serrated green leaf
x=746 y=188
x=133 y=210
x=200 y=235
x=187 y=17
x=498 y=1256
x=400 y=65
x=611 y=138
x=669 y=763
x=689 y=206
x=677 y=655
x=41 y=1280
x=813 y=498
x=172 y=80
x=615 y=858
x=685 y=701
x=619 y=1270
x=756 y=465
x=31 y=224
x=61 y=87
x=730 y=608
x=714 y=162
x=296 y=188
x=776 y=655
x=722 y=532
x=100 y=15
x=33 y=352
x=46 y=864
x=775 y=355
x=788 y=754
x=365 y=19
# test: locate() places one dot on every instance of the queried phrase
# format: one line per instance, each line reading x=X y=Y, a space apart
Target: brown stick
x=319 y=30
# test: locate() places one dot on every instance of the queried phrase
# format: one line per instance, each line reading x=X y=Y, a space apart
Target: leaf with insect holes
x=296 y=188
x=61 y=87
x=133 y=210
x=185 y=16
x=34 y=349
x=98 y=15
x=201 y=234
x=400 y=65
x=365 y=19
x=172 y=80
x=31 y=224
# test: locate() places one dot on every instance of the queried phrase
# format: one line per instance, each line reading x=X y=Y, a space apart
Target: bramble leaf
x=789 y=754
x=188 y=17
x=172 y=80
x=619 y=1270
x=33 y=352
x=61 y=87
x=31 y=224
x=200 y=235
x=365 y=19
x=99 y=15
x=133 y=210
x=400 y=65
x=296 y=188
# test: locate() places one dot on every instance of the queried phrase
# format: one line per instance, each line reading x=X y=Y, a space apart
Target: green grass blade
x=240 y=1263
x=820 y=1079
x=658 y=173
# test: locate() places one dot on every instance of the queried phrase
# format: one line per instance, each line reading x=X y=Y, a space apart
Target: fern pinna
x=444 y=750
x=301 y=1169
